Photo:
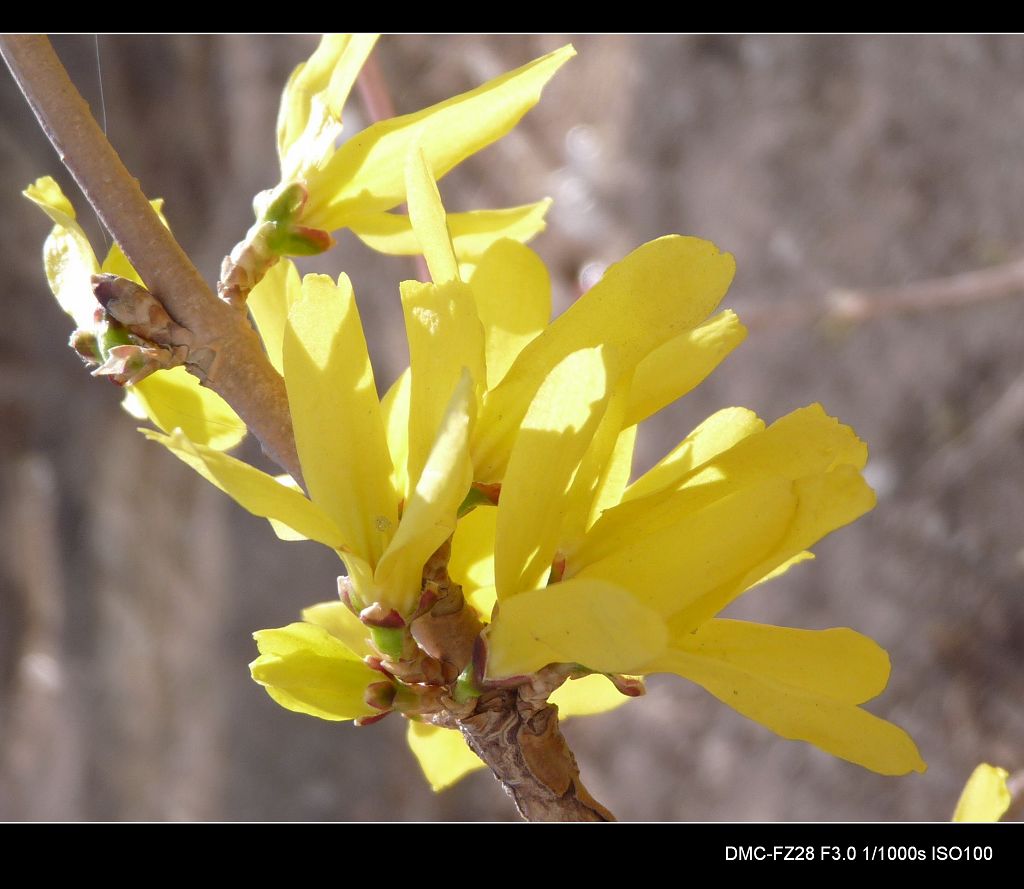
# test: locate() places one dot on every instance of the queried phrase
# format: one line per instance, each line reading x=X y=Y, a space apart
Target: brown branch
x=225 y=353
x=521 y=742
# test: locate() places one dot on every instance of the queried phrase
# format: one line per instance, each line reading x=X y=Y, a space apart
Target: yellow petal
x=280 y=528
x=985 y=796
x=681 y=364
x=339 y=432
x=426 y=212
x=804 y=443
x=472 y=233
x=798 y=712
x=714 y=436
x=366 y=173
x=67 y=254
x=394 y=408
x=837 y=663
x=512 y=290
x=445 y=337
x=341 y=623
x=252 y=489
x=701 y=552
x=442 y=753
x=587 y=696
x=662 y=289
x=306 y=669
x=268 y=301
x=592 y=623
x=309 y=118
x=824 y=503
x=472 y=560
x=804 y=556
x=616 y=478
x=554 y=437
x=174 y=399
x=581 y=506
x=429 y=517
x=483 y=600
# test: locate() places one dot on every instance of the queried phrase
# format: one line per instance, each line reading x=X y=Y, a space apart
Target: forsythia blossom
x=510 y=437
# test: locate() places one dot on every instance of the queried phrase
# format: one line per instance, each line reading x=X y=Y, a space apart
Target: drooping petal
x=174 y=399
x=252 y=489
x=340 y=622
x=394 y=408
x=838 y=663
x=366 y=174
x=472 y=559
x=67 y=255
x=823 y=504
x=432 y=506
x=804 y=443
x=268 y=301
x=799 y=712
x=306 y=669
x=702 y=551
x=429 y=222
x=680 y=365
x=309 y=118
x=552 y=441
x=472 y=233
x=662 y=289
x=442 y=753
x=592 y=623
x=339 y=432
x=512 y=290
x=445 y=337
x=587 y=696
x=985 y=797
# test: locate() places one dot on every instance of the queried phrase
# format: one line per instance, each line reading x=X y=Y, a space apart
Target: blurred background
x=871 y=189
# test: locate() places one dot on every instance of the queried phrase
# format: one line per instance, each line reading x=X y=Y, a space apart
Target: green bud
x=286 y=207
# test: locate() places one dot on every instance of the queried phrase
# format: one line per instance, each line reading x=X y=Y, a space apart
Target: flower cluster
x=497 y=467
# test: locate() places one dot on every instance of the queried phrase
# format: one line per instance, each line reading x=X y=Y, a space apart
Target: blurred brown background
x=129 y=587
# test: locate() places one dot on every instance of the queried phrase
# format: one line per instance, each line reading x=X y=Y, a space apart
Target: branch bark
x=226 y=354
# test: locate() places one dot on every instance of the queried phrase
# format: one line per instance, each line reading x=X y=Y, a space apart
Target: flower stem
x=225 y=354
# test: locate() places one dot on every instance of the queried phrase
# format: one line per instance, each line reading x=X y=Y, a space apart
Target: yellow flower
x=324 y=188
x=589 y=571
x=513 y=436
x=169 y=398
x=985 y=797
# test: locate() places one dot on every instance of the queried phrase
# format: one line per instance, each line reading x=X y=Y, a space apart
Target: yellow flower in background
x=171 y=399
x=985 y=797
x=324 y=188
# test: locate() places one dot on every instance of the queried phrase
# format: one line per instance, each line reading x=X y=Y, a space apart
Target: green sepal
x=466 y=688
x=390 y=642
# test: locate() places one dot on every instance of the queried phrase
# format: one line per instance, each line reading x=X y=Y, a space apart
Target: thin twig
x=965 y=289
x=225 y=353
